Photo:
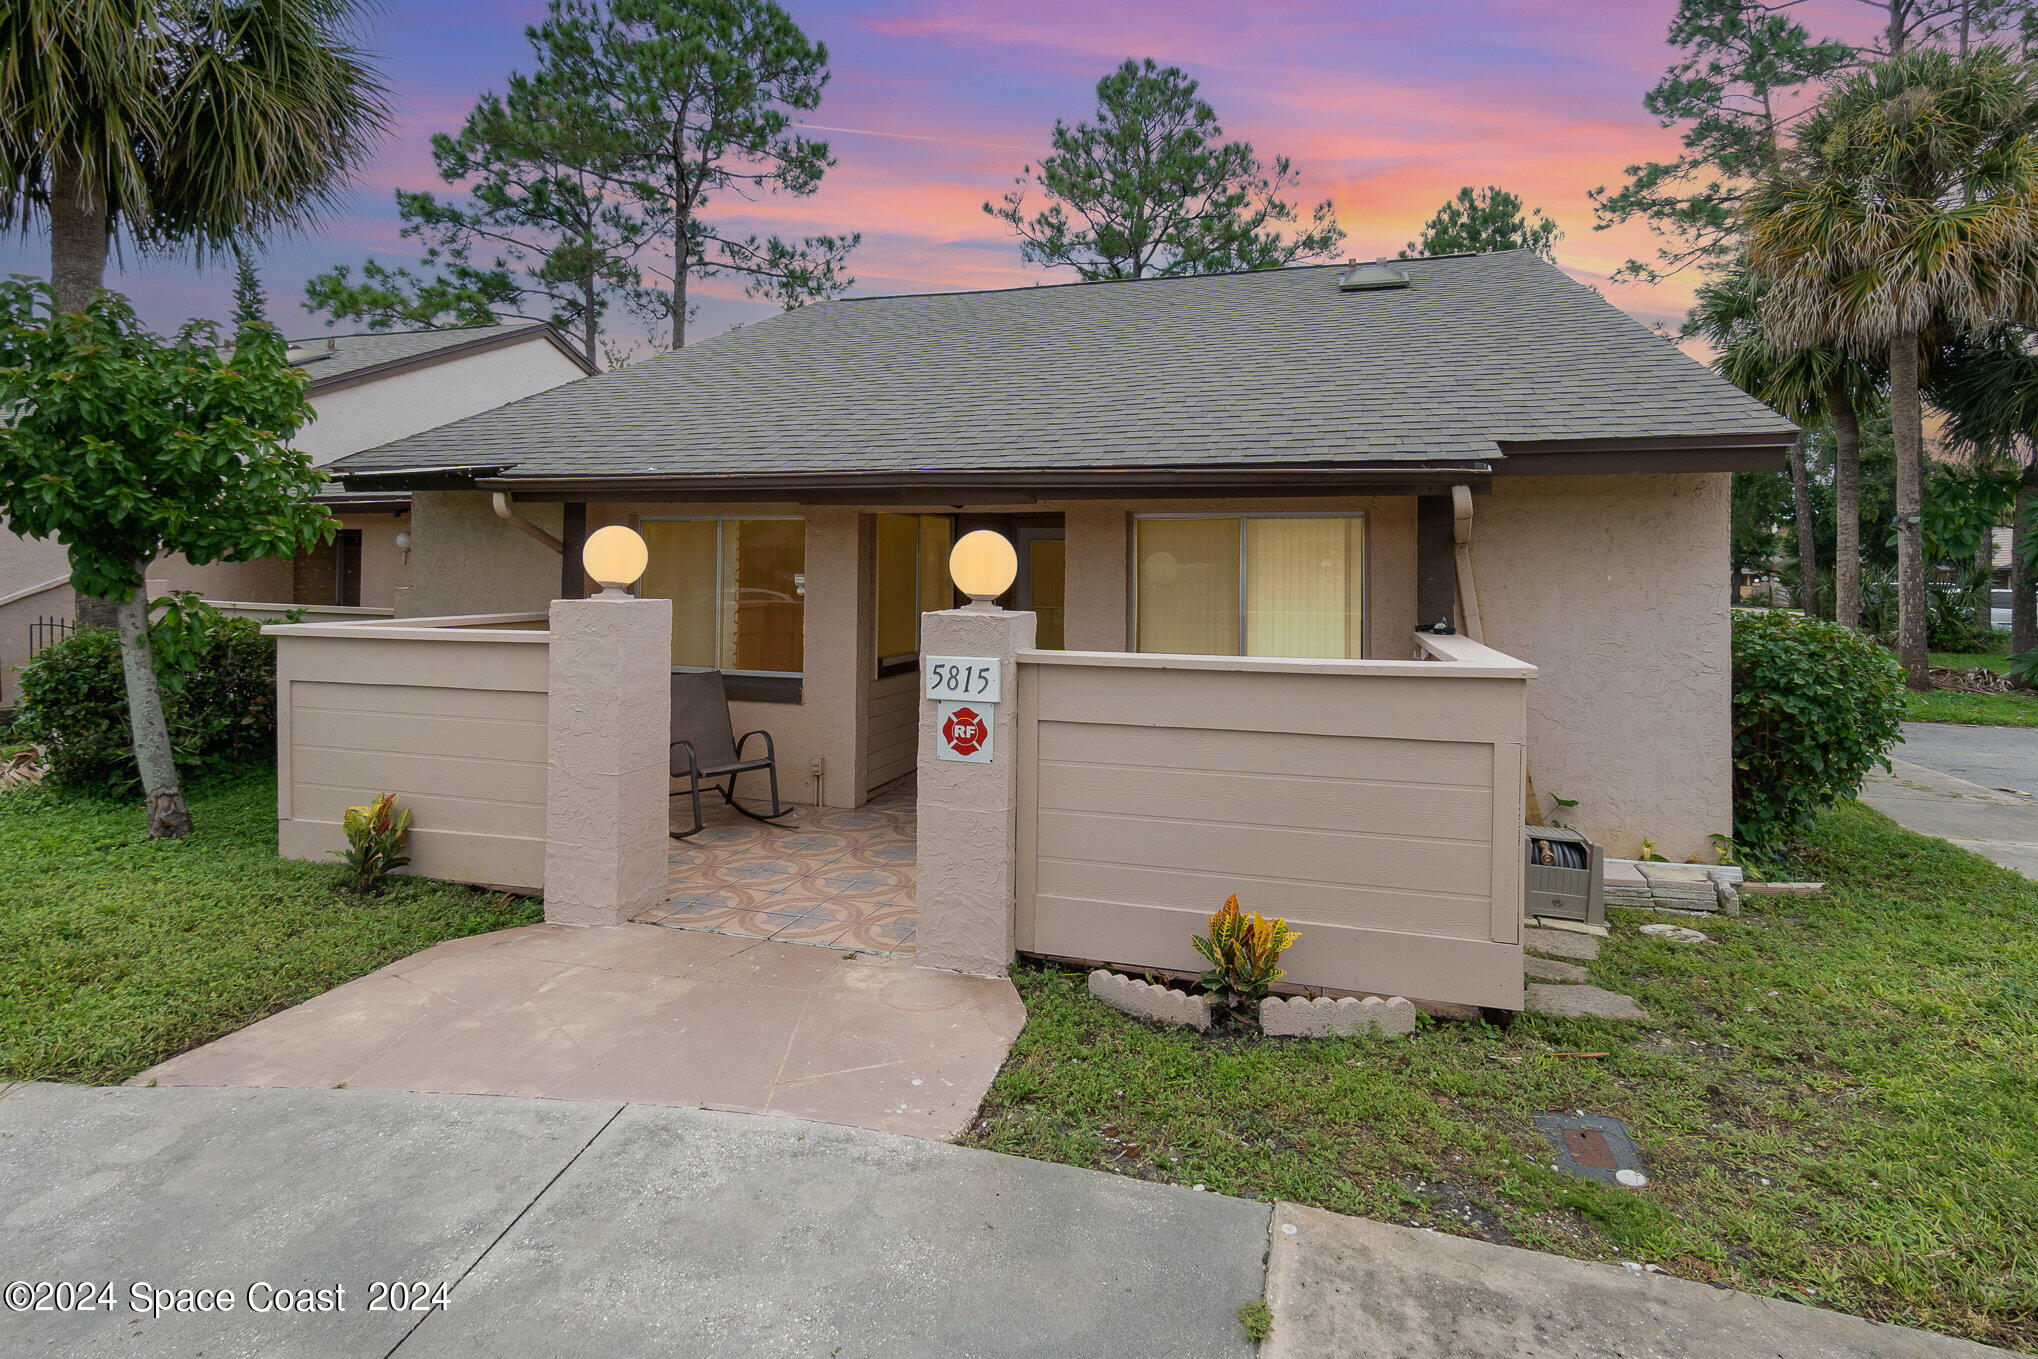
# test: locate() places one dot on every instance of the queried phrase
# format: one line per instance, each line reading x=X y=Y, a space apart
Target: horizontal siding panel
x=1300 y=855
x=409 y=733
x=472 y=813
x=1377 y=812
x=424 y=774
x=891 y=729
x=487 y=860
x=476 y=665
x=418 y=700
x=1303 y=904
x=1382 y=759
x=1385 y=962
x=1276 y=799
x=1443 y=709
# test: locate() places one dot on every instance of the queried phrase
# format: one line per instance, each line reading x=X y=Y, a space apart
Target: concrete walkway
x=1972 y=786
x=644 y=1015
x=561 y=1228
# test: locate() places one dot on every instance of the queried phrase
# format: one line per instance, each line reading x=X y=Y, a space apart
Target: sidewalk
x=1971 y=786
x=562 y=1229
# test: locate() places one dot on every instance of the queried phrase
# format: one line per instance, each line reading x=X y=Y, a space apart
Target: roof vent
x=1366 y=278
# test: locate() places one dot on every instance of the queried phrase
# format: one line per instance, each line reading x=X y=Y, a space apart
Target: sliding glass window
x=738 y=590
x=1250 y=585
x=912 y=579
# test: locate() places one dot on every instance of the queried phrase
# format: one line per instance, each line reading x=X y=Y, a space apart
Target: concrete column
x=606 y=744
x=968 y=889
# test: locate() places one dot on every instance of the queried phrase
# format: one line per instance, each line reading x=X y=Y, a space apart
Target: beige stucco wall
x=264 y=580
x=463 y=559
x=1614 y=588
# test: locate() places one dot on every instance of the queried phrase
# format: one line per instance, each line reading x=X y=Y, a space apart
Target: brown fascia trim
x=480 y=344
x=1606 y=457
x=380 y=504
x=1005 y=488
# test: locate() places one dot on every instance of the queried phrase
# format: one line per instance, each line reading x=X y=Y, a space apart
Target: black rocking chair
x=705 y=746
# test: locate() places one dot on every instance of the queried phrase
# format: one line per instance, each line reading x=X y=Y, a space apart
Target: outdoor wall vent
x=1366 y=278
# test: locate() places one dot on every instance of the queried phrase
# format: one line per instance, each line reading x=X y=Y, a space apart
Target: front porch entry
x=831 y=877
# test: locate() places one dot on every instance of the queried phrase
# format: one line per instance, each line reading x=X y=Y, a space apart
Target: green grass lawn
x=1837 y=1099
x=1986 y=710
x=116 y=952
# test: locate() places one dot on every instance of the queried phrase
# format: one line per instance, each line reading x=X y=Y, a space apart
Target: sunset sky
x=934 y=106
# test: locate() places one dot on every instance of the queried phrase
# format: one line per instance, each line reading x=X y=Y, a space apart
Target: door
x=1038 y=541
x=1042 y=578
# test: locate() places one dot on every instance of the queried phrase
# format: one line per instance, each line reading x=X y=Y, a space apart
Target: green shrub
x=1815 y=706
x=375 y=839
x=219 y=697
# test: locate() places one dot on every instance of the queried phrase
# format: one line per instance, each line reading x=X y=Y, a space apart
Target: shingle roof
x=351 y=353
x=1250 y=369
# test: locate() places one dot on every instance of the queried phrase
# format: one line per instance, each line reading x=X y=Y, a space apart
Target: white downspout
x=1468 y=614
x=511 y=517
x=1461 y=534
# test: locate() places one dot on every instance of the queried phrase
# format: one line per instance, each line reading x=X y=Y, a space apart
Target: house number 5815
x=954 y=677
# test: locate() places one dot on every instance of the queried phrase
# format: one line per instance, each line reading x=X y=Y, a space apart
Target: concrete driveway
x=1973 y=786
x=536 y=1229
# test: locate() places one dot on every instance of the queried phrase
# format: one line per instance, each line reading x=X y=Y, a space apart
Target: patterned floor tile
x=865 y=880
x=723 y=899
x=837 y=875
x=878 y=936
x=757 y=872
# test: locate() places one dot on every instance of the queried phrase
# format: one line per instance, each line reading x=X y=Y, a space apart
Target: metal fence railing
x=48 y=631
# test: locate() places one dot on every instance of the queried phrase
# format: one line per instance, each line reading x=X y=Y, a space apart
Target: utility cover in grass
x=1593 y=1147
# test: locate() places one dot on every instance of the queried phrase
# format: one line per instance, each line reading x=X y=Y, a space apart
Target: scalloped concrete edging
x=1144 y=1000
x=1300 y=1017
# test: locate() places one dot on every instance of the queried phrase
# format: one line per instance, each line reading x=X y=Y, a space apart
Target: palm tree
x=177 y=125
x=1907 y=212
x=1989 y=391
x=1822 y=384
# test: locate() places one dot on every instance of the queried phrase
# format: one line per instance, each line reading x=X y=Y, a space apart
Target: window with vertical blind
x=912 y=578
x=1250 y=585
x=738 y=589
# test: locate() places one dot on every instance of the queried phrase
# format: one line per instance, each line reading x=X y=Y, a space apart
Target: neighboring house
x=1257 y=463
x=366 y=390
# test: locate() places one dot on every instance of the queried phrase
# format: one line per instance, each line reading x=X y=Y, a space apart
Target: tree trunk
x=78 y=234
x=1807 y=544
x=1907 y=419
x=2023 y=598
x=1846 y=505
x=169 y=818
x=679 y=306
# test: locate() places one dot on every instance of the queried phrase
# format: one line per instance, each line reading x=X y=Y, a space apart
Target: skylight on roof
x=1365 y=278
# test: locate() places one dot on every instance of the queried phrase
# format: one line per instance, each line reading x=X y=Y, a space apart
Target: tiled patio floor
x=828 y=877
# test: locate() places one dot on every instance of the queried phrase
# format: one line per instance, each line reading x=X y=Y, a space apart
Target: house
x=366 y=390
x=1272 y=463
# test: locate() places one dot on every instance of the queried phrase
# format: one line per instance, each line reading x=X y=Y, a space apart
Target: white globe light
x=614 y=557
x=983 y=565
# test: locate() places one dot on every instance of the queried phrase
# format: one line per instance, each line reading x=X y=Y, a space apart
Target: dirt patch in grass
x=1836 y=1099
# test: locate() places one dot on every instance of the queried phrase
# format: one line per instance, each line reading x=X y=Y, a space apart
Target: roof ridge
x=422 y=330
x=1183 y=278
